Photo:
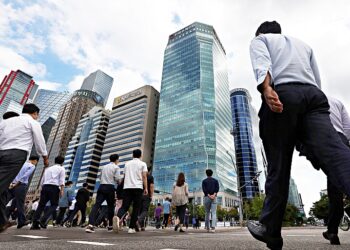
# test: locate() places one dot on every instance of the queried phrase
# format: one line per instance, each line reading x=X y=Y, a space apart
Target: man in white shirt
x=17 y=135
x=52 y=190
x=110 y=176
x=135 y=184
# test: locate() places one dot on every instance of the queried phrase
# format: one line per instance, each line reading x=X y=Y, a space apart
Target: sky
x=60 y=42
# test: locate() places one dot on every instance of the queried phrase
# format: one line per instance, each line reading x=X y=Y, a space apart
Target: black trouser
x=19 y=195
x=78 y=207
x=60 y=215
x=180 y=212
x=102 y=215
x=145 y=203
x=305 y=117
x=166 y=220
x=104 y=193
x=11 y=162
x=48 y=193
x=134 y=196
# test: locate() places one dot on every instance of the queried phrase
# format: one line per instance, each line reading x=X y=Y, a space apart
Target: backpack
x=179 y=196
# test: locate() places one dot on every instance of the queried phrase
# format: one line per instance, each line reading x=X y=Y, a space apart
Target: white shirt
x=339 y=117
x=133 y=173
x=110 y=174
x=35 y=205
x=72 y=206
x=287 y=59
x=54 y=175
x=20 y=132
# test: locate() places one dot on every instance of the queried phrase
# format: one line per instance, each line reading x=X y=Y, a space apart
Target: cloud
x=50 y=85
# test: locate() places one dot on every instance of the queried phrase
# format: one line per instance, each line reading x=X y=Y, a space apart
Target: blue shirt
x=166 y=207
x=67 y=195
x=287 y=59
x=25 y=173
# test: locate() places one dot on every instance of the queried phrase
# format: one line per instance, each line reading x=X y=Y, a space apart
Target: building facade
x=15 y=90
x=132 y=125
x=49 y=102
x=243 y=139
x=82 y=159
x=194 y=123
x=294 y=197
x=99 y=82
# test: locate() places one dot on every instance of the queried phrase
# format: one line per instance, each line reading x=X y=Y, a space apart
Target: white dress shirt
x=287 y=59
x=20 y=132
x=339 y=117
x=110 y=174
x=133 y=173
x=54 y=175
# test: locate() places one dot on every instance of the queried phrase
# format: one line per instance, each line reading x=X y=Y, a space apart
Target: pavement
x=223 y=238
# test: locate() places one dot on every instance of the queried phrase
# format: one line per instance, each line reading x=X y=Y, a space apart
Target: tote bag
x=179 y=196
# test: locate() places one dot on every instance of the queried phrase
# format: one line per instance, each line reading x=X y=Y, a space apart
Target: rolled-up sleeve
x=260 y=58
x=38 y=138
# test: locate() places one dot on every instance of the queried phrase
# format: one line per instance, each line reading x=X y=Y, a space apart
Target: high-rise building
x=132 y=126
x=294 y=197
x=84 y=151
x=49 y=102
x=16 y=88
x=99 y=82
x=243 y=139
x=194 y=122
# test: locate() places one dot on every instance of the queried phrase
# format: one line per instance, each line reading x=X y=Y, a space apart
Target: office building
x=294 y=197
x=242 y=132
x=194 y=122
x=99 y=82
x=132 y=125
x=15 y=90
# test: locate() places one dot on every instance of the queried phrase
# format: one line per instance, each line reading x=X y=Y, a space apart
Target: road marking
x=32 y=236
x=302 y=235
x=91 y=243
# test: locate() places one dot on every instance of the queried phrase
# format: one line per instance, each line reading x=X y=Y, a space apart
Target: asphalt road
x=233 y=238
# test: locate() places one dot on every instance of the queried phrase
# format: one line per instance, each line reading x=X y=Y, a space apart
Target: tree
x=290 y=215
x=320 y=208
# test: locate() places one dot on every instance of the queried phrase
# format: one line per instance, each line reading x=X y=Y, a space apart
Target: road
x=227 y=238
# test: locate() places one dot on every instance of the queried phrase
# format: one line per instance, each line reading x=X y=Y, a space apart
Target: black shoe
x=259 y=232
x=35 y=226
x=176 y=228
x=42 y=225
x=333 y=238
x=182 y=231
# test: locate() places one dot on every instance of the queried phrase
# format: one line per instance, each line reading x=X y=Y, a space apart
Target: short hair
x=34 y=158
x=209 y=172
x=69 y=183
x=269 y=27
x=9 y=115
x=114 y=157
x=137 y=153
x=59 y=160
x=159 y=204
x=85 y=185
x=30 y=108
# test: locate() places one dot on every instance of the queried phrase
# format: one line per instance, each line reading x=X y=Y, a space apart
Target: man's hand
x=46 y=161
x=272 y=99
x=145 y=192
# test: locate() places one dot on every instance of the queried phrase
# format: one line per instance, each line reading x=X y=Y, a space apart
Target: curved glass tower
x=243 y=137
x=193 y=131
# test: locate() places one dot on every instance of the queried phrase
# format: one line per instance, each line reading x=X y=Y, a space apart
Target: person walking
x=187 y=218
x=210 y=187
x=82 y=197
x=18 y=189
x=180 y=200
x=17 y=135
x=110 y=176
x=166 y=212
x=146 y=202
x=64 y=202
x=293 y=108
x=158 y=214
x=135 y=184
x=52 y=189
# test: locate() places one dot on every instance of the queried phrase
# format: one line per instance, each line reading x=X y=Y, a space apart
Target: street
x=224 y=238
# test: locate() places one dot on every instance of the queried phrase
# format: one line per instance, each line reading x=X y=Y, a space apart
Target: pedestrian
x=187 y=218
x=110 y=176
x=9 y=115
x=341 y=123
x=82 y=197
x=146 y=202
x=17 y=135
x=52 y=189
x=102 y=220
x=135 y=184
x=210 y=187
x=157 y=214
x=65 y=202
x=33 y=208
x=18 y=189
x=180 y=200
x=70 y=211
x=166 y=212
x=293 y=108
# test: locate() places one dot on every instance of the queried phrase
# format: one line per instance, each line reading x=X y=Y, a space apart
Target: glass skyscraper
x=49 y=102
x=243 y=139
x=194 y=122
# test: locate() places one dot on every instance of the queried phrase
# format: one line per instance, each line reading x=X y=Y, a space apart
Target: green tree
x=320 y=208
x=290 y=215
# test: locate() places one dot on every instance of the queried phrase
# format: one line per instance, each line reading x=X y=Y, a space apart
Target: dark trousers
x=19 y=195
x=131 y=196
x=102 y=215
x=166 y=220
x=305 y=118
x=104 y=193
x=77 y=208
x=145 y=203
x=180 y=213
x=48 y=193
x=60 y=216
x=11 y=162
